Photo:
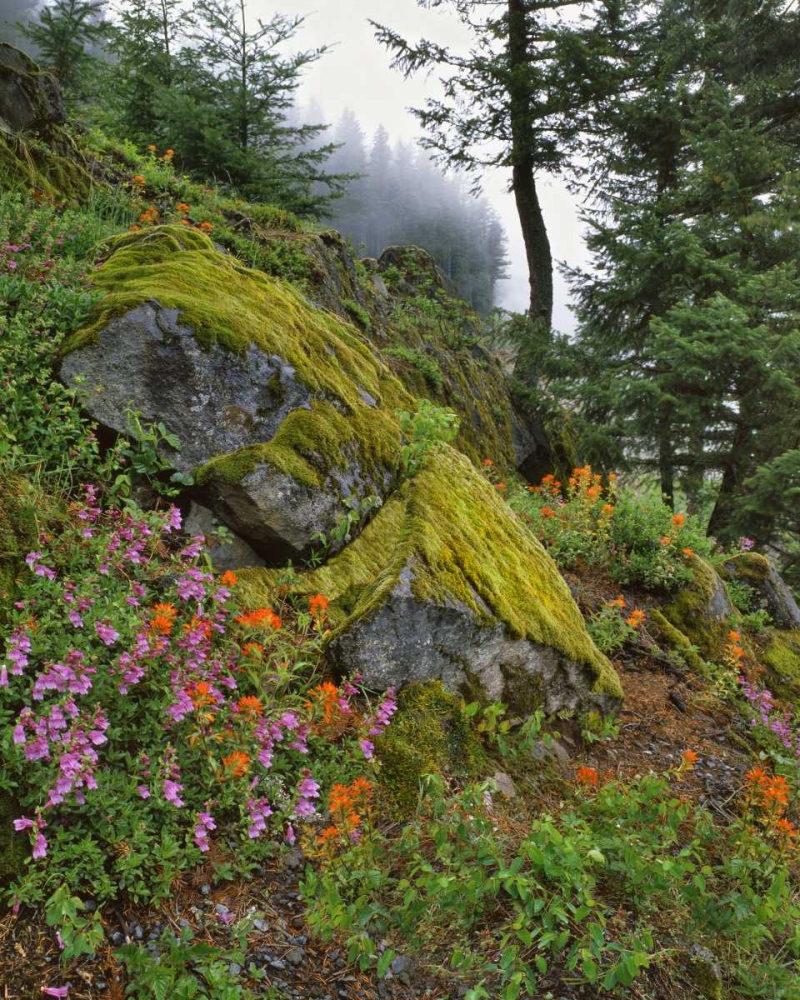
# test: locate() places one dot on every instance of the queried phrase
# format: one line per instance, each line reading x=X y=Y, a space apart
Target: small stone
x=234 y=968
x=205 y=888
x=260 y=925
x=403 y=968
x=295 y=956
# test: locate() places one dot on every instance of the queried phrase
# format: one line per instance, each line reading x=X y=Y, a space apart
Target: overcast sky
x=356 y=74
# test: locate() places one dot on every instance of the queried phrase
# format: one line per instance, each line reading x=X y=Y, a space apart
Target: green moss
x=18 y=534
x=435 y=342
x=14 y=847
x=749 y=567
x=33 y=166
x=430 y=734
x=781 y=657
x=426 y=365
x=465 y=547
x=235 y=307
x=689 y=611
x=674 y=639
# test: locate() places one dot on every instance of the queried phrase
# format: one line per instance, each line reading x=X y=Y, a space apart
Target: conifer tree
x=66 y=34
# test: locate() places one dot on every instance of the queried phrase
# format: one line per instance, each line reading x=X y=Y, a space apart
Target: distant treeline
x=399 y=197
x=219 y=86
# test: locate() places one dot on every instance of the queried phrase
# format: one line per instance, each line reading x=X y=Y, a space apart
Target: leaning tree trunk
x=523 y=163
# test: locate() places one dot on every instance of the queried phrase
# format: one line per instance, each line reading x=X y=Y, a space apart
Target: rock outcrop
x=447 y=584
x=770 y=589
x=701 y=611
x=31 y=109
x=282 y=410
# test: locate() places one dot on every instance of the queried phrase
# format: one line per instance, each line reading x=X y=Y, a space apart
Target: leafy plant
x=424 y=430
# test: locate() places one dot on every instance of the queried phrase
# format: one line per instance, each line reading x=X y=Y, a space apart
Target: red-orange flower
x=206 y=227
x=688 y=759
x=635 y=618
x=586 y=777
x=229 y=578
x=679 y=520
x=201 y=694
x=236 y=764
x=548 y=512
x=261 y=616
x=665 y=540
x=250 y=705
x=318 y=604
x=487 y=462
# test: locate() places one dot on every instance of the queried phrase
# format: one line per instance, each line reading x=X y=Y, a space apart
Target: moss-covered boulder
x=446 y=583
x=282 y=410
x=701 y=611
x=37 y=154
x=780 y=656
x=768 y=586
x=29 y=99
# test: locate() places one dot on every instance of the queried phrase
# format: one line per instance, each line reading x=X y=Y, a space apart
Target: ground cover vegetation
x=180 y=758
x=153 y=724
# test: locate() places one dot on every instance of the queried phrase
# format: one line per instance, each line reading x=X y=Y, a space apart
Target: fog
x=356 y=75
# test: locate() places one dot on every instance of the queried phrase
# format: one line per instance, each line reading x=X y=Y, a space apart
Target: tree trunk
x=534 y=233
x=666 y=471
x=734 y=472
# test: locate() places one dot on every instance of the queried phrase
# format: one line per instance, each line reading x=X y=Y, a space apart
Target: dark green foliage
x=686 y=362
x=65 y=35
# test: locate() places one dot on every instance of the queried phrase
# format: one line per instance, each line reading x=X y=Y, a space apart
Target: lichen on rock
x=446 y=583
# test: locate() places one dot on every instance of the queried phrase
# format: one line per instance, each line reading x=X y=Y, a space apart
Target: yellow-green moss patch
x=674 y=639
x=31 y=165
x=781 y=657
x=700 y=611
x=230 y=305
x=430 y=734
x=465 y=548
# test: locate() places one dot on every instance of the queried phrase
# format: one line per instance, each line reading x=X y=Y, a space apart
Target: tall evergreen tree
x=64 y=34
x=688 y=353
x=518 y=100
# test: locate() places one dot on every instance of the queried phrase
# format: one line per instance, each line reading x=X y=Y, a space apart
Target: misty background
x=354 y=80
x=356 y=74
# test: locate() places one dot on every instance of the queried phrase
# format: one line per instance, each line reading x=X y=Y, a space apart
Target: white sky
x=356 y=74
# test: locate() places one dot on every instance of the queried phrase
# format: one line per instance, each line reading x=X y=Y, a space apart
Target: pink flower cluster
x=379 y=722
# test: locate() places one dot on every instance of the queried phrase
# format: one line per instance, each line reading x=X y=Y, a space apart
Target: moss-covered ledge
x=448 y=553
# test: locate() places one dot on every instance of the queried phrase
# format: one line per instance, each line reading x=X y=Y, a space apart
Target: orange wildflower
x=328 y=834
x=138 y=180
x=586 y=777
x=250 y=705
x=618 y=602
x=318 y=604
x=607 y=509
x=786 y=829
x=548 y=512
x=734 y=636
x=201 y=694
x=236 y=764
x=688 y=552
x=206 y=227
x=500 y=486
x=152 y=149
x=161 y=624
x=679 y=520
x=229 y=578
x=183 y=207
x=635 y=618
x=688 y=759
x=487 y=462
x=665 y=540
x=261 y=616
x=134 y=229
x=250 y=648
